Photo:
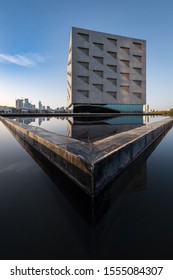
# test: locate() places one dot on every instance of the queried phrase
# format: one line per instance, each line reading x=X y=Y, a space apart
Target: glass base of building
x=107 y=108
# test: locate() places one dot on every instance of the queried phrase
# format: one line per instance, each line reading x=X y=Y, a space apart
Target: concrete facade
x=106 y=70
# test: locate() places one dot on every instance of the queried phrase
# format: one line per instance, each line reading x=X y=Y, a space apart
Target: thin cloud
x=25 y=60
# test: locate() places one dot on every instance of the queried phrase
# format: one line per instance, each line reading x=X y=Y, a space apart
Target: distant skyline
x=34 y=41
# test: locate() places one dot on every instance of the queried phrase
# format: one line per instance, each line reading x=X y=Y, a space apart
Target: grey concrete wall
x=91 y=165
x=106 y=69
x=124 y=148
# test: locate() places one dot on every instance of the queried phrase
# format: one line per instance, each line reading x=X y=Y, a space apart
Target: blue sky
x=34 y=40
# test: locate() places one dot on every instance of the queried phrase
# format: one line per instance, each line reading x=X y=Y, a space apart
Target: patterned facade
x=106 y=71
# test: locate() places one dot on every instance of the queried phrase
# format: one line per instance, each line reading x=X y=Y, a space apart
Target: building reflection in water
x=132 y=179
x=84 y=128
x=40 y=120
x=25 y=120
x=96 y=128
x=89 y=221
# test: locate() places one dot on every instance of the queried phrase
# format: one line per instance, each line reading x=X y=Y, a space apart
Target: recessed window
x=126 y=50
x=113 y=54
x=125 y=62
x=99 y=86
x=138 y=45
x=69 y=92
x=84 y=92
x=113 y=81
x=99 y=59
x=112 y=67
x=85 y=79
x=138 y=82
x=84 y=64
x=84 y=36
x=98 y=45
x=138 y=94
x=138 y=57
x=125 y=75
x=125 y=88
x=112 y=93
x=99 y=73
x=69 y=84
x=69 y=61
x=113 y=41
x=84 y=50
x=139 y=70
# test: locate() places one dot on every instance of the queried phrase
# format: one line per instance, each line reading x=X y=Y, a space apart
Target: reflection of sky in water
x=16 y=167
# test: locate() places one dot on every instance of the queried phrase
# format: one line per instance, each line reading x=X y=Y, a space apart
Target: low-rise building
x=5 y=109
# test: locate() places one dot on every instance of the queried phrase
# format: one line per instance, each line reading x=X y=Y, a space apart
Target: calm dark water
x=43 y=215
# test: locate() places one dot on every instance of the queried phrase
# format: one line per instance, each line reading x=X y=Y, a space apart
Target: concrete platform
x=90 y=165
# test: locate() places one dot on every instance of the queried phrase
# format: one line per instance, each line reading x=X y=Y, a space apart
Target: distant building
x=26 y=103
x=5 y=109
x=146 y=108
x=40 y=106
x=19 y=103
x=62 y=109
x=106 y=73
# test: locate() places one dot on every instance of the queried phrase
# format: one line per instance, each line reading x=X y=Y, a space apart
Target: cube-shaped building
x=106 y=73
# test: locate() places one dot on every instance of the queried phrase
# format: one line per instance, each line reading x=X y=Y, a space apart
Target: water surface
x=44 y=216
